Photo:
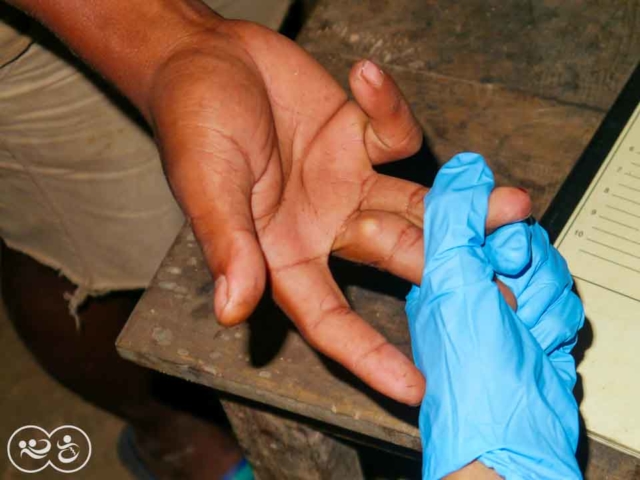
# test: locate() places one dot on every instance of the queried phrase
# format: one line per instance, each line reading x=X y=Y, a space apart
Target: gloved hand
x=499 y=384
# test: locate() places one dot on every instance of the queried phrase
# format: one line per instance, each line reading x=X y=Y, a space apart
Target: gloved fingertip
x=456 y=207
x=465 y=158
x=508 y=249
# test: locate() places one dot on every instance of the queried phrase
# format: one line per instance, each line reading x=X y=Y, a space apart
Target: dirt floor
x=28 y=396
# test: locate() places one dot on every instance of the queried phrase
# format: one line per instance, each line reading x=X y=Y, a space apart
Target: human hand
x=273 y=165
x=500 y=381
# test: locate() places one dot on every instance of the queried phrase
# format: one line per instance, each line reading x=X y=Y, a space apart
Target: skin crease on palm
x=293 y=160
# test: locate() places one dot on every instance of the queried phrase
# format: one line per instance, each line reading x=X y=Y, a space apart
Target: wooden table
x=524 y=83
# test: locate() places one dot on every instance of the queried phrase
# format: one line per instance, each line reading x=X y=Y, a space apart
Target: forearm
x=125 y=40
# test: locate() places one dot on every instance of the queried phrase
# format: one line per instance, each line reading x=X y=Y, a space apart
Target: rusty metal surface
x=526 y=85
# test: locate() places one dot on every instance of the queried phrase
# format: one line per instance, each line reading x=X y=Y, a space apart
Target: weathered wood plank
x=280 y=448
x=578 y=52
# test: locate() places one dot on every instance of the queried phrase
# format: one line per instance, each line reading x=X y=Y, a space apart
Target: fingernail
x=220 y=296
x=372 y=74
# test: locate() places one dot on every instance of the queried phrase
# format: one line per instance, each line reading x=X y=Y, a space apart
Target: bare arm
x=125 y=40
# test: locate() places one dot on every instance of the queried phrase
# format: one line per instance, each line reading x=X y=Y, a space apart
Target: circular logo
x=66 y=449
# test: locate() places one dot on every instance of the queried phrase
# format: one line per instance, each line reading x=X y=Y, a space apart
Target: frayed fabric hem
x=83 y=289
x=76 y=299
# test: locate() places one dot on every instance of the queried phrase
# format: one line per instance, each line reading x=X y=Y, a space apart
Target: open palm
x=273 y=165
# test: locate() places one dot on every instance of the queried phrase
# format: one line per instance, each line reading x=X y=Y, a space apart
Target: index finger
x=310 y=297
x=405 y=198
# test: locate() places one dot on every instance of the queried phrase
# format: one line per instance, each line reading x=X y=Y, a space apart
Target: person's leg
x=173 y=443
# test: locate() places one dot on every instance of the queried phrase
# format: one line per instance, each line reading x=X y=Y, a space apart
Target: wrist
x=182 y=29
x=126 y=41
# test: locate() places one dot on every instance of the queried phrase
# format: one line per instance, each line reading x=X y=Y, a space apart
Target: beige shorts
x=81 y=184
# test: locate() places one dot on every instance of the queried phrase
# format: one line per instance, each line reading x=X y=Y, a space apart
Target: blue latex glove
x=499 y=385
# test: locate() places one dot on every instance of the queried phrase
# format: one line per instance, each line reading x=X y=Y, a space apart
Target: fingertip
x=371 y=74
x=367 y=73
x=375 y=94
x=239 y=288
x=414 y=389
x=355 y=69
x=408 y=385
x=523 y=205
x=232 y=314
x=234 y=303
x=508 y=205
x=374 y=90
x=220 y=297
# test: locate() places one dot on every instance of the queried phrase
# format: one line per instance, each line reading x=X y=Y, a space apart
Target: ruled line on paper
x=617 y=222
x=606 y=288
x=629 y=174
x=622 y=211
x=613 y=248
x=635 y=164
x=629 y=187
x=610 y=261
x=621 y=237
x=625 y=198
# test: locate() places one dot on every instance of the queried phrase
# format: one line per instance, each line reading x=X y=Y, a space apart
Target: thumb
x=215 y=194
